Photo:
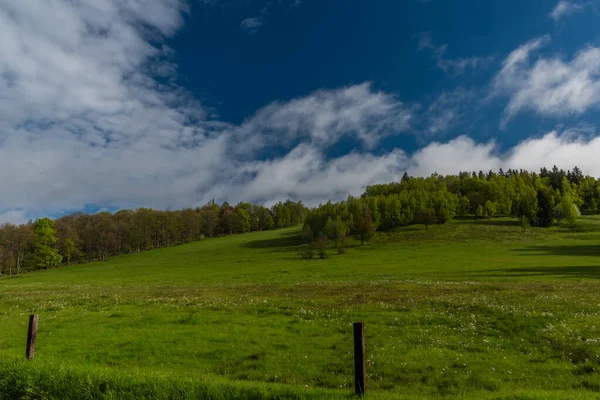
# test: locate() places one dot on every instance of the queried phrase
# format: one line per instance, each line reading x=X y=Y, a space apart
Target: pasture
x=466 y=309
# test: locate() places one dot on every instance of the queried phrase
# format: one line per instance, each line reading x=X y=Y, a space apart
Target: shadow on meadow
x=560 y=250
x=587 y=271
x=494 y=222
x=280 y=243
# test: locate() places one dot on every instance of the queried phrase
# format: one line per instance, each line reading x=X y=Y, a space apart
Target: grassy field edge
x=28 y=381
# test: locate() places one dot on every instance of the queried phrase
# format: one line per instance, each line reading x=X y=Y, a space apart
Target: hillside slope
x=463 y=309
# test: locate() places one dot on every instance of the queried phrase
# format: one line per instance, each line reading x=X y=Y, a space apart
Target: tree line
x=81 y=237
x=538 y=199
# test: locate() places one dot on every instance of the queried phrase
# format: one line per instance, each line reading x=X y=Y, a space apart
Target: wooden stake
x=31 y=336
x=360 y=366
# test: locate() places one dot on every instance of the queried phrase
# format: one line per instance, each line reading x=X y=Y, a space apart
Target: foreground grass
x=460 y=310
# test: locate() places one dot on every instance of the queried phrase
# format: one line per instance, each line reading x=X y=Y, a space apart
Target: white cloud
x=565 y=150
x=564 y=9
x=83 y=121
x=305 y=174
x=325 y=116
x=550 y=86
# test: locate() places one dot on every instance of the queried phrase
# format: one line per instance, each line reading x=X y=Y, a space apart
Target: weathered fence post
x=360 y=367
x=31 y=336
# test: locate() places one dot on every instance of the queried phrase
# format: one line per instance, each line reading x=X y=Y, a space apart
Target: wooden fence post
x=360 y=367
x=31 y=336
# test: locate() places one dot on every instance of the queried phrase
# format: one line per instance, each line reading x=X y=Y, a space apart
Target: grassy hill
x=464 y=309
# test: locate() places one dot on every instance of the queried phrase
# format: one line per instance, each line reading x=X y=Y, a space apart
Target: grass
x=466 y=309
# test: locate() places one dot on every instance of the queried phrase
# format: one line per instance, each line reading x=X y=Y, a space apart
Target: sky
x=110 y=104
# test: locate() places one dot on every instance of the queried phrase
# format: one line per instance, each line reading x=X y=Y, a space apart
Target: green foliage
x=426 y=216
x=69 y=249
x=567 y=210
x=480 y=212
x=363 y=226
x=545 y=209
x=43 y=229
x=15 y=246
x=84 y=238
x=490 y=209
x=241 y=221
x=321 y=245
x=45 y=255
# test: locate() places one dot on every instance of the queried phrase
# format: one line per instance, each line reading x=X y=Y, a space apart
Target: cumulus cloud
x=550 y=86
x=84 y=121
x=564 y=9
x=565 y=149
x=306 y=174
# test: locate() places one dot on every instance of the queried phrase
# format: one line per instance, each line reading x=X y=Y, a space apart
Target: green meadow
x=468 y=309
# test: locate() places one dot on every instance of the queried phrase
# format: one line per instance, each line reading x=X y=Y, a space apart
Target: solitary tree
x=364 y=227
x=425 y=216
x=321 y=245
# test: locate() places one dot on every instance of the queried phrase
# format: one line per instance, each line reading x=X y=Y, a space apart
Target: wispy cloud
x=549 y=86
x=456 y=66
x=447 y=110
x=251 y=24
x=425 y=41
x=564 y=9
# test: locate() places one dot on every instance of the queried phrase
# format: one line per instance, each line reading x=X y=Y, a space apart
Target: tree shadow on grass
x=284 y=241
x=495 y=222
x=578 y=250
x=465 y=218
x=578 y=272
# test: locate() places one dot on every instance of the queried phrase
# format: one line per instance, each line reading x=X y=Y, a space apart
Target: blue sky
x=107 y=104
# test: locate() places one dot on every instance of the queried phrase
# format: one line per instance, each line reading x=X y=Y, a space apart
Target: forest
x=80 y=237
x=536 y=199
